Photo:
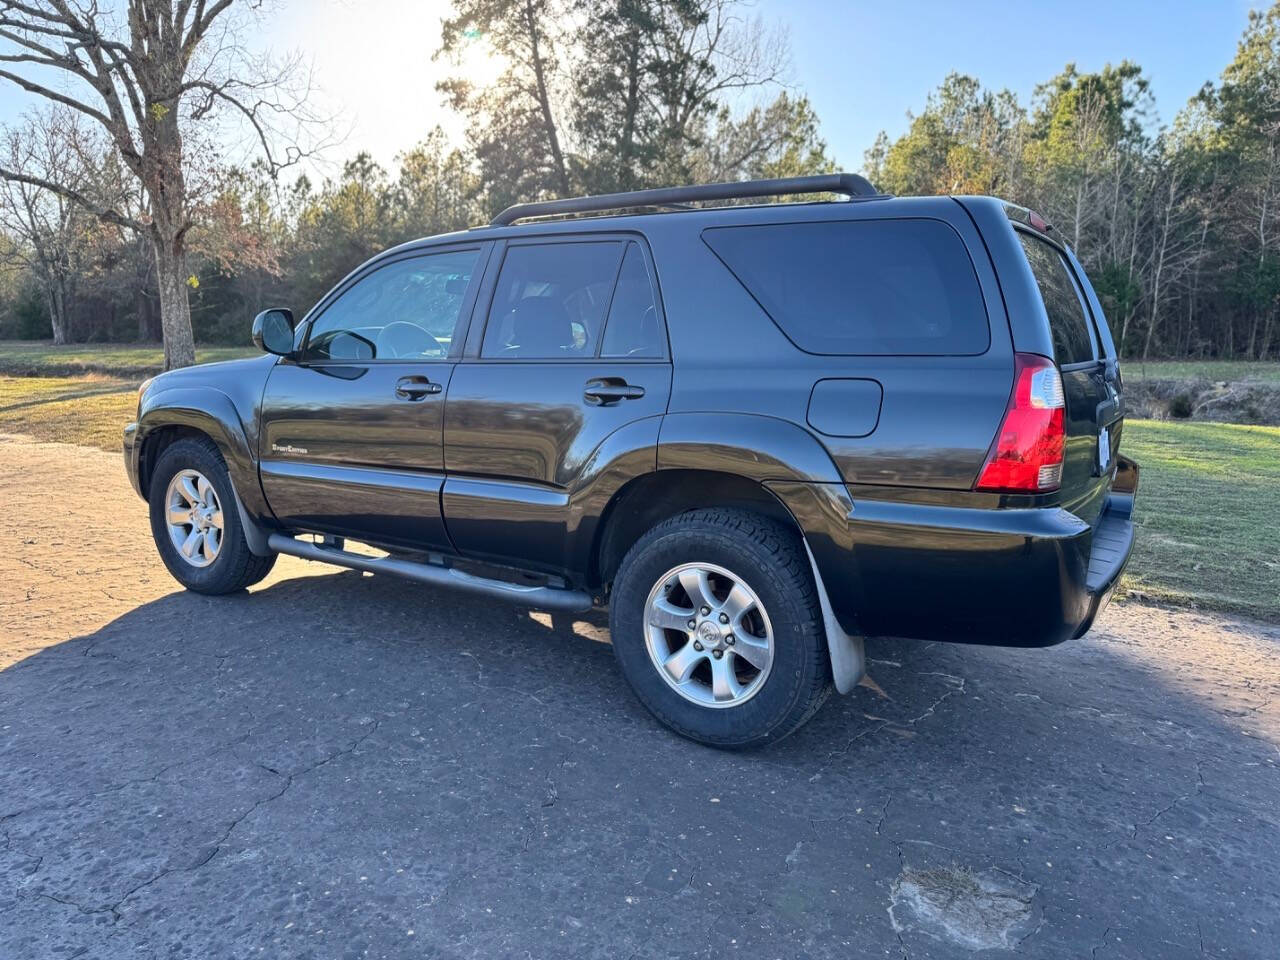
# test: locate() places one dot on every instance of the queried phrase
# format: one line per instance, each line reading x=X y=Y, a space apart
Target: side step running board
x=542 y=598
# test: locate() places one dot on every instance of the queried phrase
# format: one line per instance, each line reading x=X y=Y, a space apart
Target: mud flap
x=848 y=658
x=254 y=535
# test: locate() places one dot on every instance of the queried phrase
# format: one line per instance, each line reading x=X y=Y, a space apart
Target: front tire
x=195 y=523
x=717 y=627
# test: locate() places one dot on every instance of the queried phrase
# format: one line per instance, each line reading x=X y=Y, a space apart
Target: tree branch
x=45 y=92
x=102 y=212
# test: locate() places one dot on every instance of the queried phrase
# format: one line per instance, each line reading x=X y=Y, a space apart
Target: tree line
x=1178 y=227
x=158 y=199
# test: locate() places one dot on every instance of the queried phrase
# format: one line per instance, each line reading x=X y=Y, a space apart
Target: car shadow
x=336 y=763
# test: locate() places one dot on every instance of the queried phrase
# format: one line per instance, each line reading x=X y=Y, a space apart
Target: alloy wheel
x=193 y=516
x=708 y=635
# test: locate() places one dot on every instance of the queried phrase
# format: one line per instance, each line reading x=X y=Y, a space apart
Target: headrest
x=540 y=327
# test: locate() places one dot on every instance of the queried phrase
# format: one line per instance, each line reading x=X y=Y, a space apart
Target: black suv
x=758 y=433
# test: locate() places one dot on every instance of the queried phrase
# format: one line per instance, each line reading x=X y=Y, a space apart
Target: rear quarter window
x=861 y=287
x=1068 y=322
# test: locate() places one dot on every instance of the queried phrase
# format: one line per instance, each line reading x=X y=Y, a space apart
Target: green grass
x=1231 y=370
x=34 y=358
x=1208 y=515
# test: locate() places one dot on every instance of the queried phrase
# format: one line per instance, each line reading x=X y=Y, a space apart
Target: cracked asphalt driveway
x=335 y=765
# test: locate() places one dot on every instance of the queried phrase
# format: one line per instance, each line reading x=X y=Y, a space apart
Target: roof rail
x=849 y=184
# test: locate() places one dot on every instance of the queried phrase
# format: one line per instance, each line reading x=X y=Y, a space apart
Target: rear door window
x=869 y=287
x=550 y=300
x=1068 y=322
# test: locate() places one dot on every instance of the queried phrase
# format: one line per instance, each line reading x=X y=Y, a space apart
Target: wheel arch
x=751 y=461
x=764 y=464
x=647 y=500
x=171 y=415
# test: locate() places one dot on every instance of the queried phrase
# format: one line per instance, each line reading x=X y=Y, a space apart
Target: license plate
x=1104 y=450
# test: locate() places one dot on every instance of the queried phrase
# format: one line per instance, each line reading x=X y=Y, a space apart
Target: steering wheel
x=403 y=339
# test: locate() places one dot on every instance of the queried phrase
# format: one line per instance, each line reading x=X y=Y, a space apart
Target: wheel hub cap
x=709 y=634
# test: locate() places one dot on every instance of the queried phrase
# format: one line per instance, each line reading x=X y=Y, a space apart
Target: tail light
x=1026 y=456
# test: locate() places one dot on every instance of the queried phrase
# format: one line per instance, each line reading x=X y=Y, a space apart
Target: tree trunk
x=1075 y=239
x=57 y=319
x=144 y=315
x=175 y=308
x=544 y=100
x=626 y=150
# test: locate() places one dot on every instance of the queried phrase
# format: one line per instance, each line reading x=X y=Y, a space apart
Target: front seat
x=540 y=327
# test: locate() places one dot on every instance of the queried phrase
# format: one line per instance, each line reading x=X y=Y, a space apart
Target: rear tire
x=195 y=523
x=753 y=667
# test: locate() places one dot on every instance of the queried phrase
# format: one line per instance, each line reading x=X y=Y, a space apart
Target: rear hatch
x=1085 y=356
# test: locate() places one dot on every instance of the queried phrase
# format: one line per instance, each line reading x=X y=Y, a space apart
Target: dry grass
x=89 y=410
x=1249 y=371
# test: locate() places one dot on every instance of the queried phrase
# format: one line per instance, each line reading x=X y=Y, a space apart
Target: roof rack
x=849 y=184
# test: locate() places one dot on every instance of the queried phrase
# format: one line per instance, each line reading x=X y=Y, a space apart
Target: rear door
x=574 y=350
x=351 y=439
x=1092 y=409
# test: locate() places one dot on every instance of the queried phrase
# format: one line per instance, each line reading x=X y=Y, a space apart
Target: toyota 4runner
x=757 y=432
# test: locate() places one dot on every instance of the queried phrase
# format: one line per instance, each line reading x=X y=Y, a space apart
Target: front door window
x=407 y=310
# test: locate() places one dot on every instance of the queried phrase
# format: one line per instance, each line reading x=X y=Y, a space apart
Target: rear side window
x=1068 y=323
x=550 y=301
x=872 y=287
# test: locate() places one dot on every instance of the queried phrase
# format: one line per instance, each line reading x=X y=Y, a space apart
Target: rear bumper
x=1112 y=543
x=1009 y=577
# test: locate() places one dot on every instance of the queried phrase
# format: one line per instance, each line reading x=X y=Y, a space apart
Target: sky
x=864 y=68
x=864 y=65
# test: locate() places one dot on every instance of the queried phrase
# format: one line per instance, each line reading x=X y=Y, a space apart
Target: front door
x=351 y=439
x=574 y=350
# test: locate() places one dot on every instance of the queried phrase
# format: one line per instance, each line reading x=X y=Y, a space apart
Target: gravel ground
x=335 y=765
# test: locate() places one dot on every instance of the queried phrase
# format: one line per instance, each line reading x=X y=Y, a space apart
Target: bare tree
x=703 y=53
x=1262 y=199
x=50 y=231
x=147 y=81
x=1175 y=247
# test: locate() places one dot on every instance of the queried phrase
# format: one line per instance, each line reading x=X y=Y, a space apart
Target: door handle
x=606 y=390
x=415 y=388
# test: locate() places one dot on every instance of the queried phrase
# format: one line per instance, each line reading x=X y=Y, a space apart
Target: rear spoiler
x=1027 y=218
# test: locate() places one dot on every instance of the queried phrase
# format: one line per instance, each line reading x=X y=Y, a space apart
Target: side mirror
x=273 y=331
